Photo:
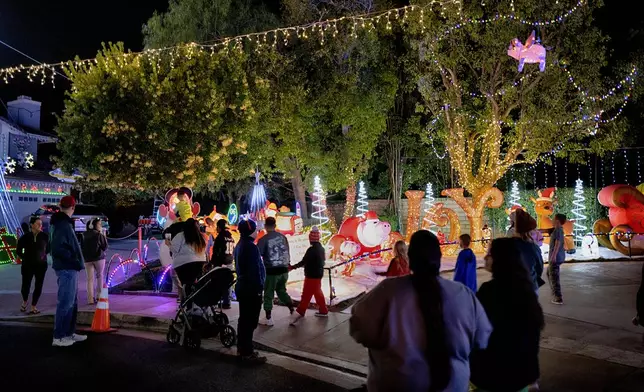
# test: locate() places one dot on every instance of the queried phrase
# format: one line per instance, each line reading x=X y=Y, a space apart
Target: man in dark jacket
x=250 y=286
x=67 y=260
x=223 y=247
x=313 y=263
x=275 y=253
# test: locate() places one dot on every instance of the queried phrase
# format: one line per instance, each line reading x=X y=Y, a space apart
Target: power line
x=30 y=58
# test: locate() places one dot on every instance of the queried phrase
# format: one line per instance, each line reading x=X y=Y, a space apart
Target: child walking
x=465 y=271
x=313 y=263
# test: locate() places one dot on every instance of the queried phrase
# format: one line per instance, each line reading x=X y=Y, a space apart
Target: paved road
x=124 y=363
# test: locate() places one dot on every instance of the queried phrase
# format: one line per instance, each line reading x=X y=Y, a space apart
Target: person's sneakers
x=78 y=338
x=294 y=319
x=63 y=342
x=253 y=359
x=269 y=322
x=557 y=301
x=318 y=314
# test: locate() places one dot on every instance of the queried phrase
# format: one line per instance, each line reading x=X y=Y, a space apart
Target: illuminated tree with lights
x=579 y=229
x=363 y=204
x=428 y=223
x=490 y=117
x=319 y=203
x=513 y=201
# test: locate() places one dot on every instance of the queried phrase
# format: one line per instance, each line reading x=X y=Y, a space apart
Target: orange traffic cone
x=101 y=321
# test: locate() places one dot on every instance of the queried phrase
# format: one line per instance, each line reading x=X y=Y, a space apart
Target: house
x=28 y=187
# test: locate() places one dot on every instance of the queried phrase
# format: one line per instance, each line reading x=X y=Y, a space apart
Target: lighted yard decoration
x=625 y=215
x=428 y=223
x=167 y=209
x=445 y=217
x=358 y=236
x=474 y=208
x=8 y=243
x=414 y=198
x=531 y=52
x=544 y=207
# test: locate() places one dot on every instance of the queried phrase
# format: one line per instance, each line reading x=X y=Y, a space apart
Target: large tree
x=154 y=121
x=489 y=115
x=205 y=21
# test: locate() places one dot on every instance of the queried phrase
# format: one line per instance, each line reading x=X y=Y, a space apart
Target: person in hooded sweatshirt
x=251 y=276
x=420 y=329
x=67 y=261
x=313 y=263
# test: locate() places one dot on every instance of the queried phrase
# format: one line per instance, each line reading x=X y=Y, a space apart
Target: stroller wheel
x=192 y=340
x=220 y=319
x=228 y=336
x=173 y=335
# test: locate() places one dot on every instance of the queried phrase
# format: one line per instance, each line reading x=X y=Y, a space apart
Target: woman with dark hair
x=511 y=360
x=188 y=249
x=420 y=329
x=32 y=248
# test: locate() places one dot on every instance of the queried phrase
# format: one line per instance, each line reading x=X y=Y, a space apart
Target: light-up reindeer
x=531 y=52
x=544 y=207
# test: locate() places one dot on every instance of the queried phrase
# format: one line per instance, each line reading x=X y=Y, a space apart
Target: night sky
x=53 y=31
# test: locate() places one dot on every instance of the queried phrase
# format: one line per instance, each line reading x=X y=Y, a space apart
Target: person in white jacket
x=420 y=329
x=188 y=249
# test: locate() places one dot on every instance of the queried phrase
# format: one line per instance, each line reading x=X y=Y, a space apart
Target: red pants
x=312 y=287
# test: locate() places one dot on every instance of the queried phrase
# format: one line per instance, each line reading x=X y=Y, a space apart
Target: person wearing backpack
x=94 y=247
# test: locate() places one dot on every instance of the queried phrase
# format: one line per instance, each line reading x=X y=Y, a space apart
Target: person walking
x=67 y=261
x=32 y=248
x=274 y=249
x=511 y=360
x=529 y=250
x=222 y=248
x=420 y=329
x=94 y=247
x=251 y=277
x=313 y=263
x=556 y=257
x=399 y=265
x=465 y=270
x=188 y=249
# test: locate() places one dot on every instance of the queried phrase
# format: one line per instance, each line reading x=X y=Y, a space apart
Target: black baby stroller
x=206 y=319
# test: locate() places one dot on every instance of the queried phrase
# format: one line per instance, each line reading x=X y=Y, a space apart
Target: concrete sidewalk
x=594 y=323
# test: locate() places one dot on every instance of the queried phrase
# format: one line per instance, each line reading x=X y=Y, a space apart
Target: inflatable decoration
x=288 y=223
x=167 y=210
x=415 y=198
x=358 y=236
x=544 y=208
x=530 y=52
x=442 y=216
x=625 y=216
x=474 y=209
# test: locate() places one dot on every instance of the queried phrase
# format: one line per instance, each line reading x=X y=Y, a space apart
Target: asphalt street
x=122 y=363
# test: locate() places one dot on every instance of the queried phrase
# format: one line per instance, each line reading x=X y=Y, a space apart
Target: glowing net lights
x=428 y=223
x=8 y=216
x=578 y=211
x=163 y=275
x=233 y=214
x=319 y=202
x=363 y=204
x=258 y=199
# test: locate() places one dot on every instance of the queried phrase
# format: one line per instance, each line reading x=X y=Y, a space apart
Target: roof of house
x=34 y=175
x=40 y=135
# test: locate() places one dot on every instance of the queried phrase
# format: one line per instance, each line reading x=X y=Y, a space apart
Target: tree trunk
x=350 y=205
x=474 y=209
x=395 y=177
x=300 y=191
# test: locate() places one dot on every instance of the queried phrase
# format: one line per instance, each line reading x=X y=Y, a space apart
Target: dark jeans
x=67 y=306
x=188 y=274
x=28 y=273
x=250 y=305
x=553 y=278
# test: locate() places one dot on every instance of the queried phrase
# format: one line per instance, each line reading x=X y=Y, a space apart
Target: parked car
x=83 y=213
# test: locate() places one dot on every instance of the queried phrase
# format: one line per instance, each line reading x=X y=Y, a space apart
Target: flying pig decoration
x=531 y=52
